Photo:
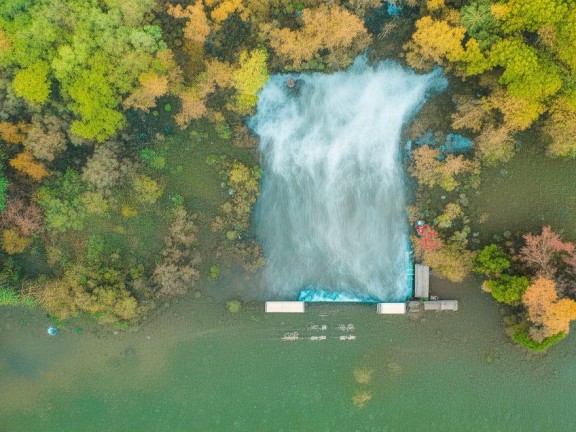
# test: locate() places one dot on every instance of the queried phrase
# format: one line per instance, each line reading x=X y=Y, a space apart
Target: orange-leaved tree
x=25 y=163
x=12 y=133
x=331 y=28
x=548 y=314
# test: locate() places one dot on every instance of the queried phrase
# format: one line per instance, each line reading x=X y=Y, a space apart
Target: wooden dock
x=421 y=281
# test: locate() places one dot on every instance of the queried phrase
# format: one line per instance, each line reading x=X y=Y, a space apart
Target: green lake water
x=192 y=366
x=195 y=367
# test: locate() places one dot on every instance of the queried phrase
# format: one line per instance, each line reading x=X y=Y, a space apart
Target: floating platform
x=391 y=308
x=441 y=305
x=285 y=306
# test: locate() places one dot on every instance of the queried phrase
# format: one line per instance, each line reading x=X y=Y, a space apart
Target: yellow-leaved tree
x=32 y=83
x=434 y=41
x=330 y=28
x=249 y=78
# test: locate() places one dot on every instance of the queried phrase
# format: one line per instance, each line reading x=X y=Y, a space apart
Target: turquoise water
x=195 y=367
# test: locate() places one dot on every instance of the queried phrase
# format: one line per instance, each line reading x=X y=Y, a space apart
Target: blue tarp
x=457 y=144
x=393 y=9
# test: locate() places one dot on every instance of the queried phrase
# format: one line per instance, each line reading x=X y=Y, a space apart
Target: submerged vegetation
x=127 y=171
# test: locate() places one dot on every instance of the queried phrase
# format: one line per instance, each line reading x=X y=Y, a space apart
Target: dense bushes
x=176 y=272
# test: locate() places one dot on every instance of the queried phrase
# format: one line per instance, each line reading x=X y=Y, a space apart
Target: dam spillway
x=331 y=214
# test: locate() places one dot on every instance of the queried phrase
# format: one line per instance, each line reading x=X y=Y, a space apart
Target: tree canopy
x=529 y=47
x=95 y=50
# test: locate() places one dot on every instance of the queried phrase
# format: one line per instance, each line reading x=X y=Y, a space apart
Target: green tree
x=3 y=192
x=95 y=50
x=61 y=201
x=94 y=99
x=507 y=289
x=491 y=261
x=32 y=83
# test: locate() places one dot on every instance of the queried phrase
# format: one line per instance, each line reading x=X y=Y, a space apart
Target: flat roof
x=391 y=308
x=285 y=306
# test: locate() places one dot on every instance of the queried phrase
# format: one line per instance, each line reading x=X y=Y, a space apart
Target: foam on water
x=331 y=212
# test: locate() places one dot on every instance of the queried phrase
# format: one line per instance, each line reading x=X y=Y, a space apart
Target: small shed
x=421 y=281
x=391 y=308
x=285 y=306
x=441 y=305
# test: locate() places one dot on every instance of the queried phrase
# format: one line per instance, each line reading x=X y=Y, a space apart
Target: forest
x=128 y=172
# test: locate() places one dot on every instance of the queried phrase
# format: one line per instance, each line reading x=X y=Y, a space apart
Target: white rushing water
x=331 y=211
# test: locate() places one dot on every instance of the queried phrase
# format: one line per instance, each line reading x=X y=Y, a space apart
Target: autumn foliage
x=197 y=26
x=26 y=164
x=429 y=170
x=26 y=217
x=434 y=41
x=12 y=133
x=177 y=272
x=548 y=314
x=541 y=252
x=329 y=28
x=429 y=239
x=13 y=242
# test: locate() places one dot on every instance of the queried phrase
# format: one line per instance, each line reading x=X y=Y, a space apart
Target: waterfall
x=331 y=211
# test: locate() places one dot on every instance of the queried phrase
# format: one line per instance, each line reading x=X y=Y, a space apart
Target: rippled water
x=196 y=367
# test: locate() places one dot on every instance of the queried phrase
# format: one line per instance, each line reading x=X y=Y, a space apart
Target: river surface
x=196 y=367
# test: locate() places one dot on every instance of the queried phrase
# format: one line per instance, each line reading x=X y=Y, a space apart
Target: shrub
x=153 y=159
x=147 y=189
x=236 y=212
x=452 y=261
x=177 y=272
x=214 y=273
x=523 y=338
x=234 y=306
x=62 y=203
x=361 y=397
x=13 y=242
x=128 y=211
x=98 y=290
x=363 y=376
x=8 y=297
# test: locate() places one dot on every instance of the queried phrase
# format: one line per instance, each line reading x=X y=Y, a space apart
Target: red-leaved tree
x=429 y=240
x=542 y=251
x=27 y=217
